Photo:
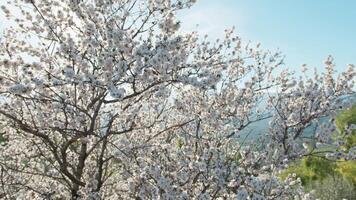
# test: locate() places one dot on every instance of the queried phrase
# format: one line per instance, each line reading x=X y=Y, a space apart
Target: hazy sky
x=306 y=31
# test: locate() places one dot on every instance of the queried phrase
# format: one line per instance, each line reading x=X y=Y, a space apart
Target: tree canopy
x=107 y=99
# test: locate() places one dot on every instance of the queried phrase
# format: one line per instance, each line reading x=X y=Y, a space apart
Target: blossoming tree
x=106 y=99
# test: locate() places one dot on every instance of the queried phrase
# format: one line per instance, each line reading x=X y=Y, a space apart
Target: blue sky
x=306 y=31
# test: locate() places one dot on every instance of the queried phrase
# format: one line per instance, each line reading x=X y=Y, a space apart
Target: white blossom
x=121 y=105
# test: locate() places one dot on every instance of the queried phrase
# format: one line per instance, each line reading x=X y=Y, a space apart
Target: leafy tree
x=106 y=99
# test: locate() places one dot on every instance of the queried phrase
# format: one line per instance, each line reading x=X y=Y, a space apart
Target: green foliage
x=348 y=170
x=310 y=169
x=326 y=179
x=346 y=118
